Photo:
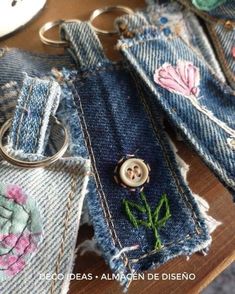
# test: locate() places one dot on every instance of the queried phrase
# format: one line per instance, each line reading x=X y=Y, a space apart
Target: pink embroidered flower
x=183 y=79
x=10 y=240
x=22 y=244
x=15 y=192
x=3 y=262
x=15 y=265
x=32 y=247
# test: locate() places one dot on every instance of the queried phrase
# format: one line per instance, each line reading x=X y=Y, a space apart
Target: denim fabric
x=37 y=101
x=209 y=123
x=220 y=23
x=117 y=121
x=111 y=117
x=58 y=189
x=171 y=19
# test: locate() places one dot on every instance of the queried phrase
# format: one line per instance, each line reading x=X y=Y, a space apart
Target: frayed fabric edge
x=203 y=205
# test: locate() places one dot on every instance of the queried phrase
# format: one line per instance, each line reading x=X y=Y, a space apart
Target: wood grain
x=201 y=180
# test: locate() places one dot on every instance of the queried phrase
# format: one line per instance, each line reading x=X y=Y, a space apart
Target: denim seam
x=111 y=67
x=164 y=248
x=220 y=52
x=226 y=174
x=106 y=209
x=97 y=180
x=23 y=114
x=181 y=189
x=66 y=219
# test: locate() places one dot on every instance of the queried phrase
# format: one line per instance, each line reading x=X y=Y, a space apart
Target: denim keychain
x=185 y=86
x=40 y=208
x=145 y=215
x=142 y=210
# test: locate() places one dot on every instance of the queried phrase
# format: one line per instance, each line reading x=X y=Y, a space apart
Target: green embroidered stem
x=153 y=222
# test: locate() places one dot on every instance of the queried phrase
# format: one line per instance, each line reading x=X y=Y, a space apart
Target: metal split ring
x=52 y=24
x=104 y=10
x=32 y=164
x=61 y=43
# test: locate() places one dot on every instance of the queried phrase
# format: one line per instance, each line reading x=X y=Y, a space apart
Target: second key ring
x=52 y=24
x=104 y=10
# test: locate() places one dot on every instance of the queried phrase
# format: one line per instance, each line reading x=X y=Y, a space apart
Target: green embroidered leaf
x=132 y=218
x=153 y=222
x=162 y=205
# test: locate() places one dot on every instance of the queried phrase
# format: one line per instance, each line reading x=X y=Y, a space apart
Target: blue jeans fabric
x=58 y=189
x=111 y=117
x=220 y=24
x=116 y=121
x=149 y=50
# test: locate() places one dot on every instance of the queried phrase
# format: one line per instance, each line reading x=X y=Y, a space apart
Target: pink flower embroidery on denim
x=15 y=265
x=22 y=244
x=15 y=192
x=10 y=240
x=182 y=79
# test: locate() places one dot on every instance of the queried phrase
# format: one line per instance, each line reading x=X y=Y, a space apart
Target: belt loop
x=37 y=101
x=84 y=44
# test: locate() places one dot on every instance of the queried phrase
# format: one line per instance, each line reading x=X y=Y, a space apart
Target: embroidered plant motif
x=20 y=230
x=184 y=79
x=154 y=219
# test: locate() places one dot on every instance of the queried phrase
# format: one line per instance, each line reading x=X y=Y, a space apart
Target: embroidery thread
x=154 y=220
x=184 y=79
x=20 y=230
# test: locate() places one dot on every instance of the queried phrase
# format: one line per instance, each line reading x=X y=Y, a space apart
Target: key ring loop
x=104 y=10
x=52 y=24
x=32 y=164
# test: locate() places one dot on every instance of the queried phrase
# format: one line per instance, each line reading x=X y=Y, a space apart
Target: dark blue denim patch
x=113 y=114
x=117 y=121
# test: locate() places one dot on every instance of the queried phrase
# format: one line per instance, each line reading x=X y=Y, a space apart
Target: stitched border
x=168 y=161
x=74 y=173
x=19 y=125
x=100 y=191
x=112 y=230
x=220 y=54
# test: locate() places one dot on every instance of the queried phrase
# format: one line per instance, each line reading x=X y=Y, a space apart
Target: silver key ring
x=52 y=24
x=32 y=164
x=104 y=10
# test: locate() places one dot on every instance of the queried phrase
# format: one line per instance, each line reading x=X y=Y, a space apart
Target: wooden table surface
x=201 y=180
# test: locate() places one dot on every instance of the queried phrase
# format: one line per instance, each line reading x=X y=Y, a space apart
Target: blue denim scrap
x=58 y=189
x=220 y=23
x=116 y=121
x=32 y=115
x=180 y=22
x=149 y=51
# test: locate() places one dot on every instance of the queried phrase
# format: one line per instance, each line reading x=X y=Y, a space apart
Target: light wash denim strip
x=59 y=191
x=38 y=100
